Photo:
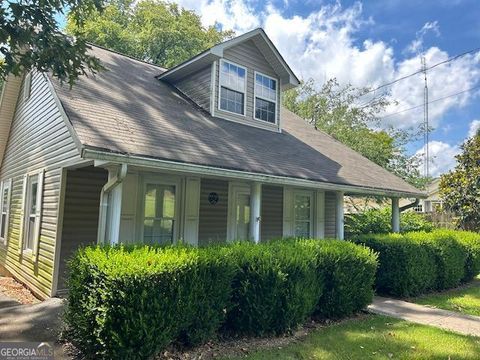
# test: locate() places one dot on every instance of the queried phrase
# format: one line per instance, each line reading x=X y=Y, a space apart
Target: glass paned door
x=159 y=215
x=242 y=216
x=303 y=214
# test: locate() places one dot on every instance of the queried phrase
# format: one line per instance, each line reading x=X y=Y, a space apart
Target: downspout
x=106 y=189
x=409 y=206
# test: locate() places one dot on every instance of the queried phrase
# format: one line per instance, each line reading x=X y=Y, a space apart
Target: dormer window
x=232 y=87
x=265 y=98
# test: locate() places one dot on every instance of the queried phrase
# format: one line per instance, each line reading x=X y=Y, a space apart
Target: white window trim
x=26 y=213
x=27 y=86
x=310 y=195
x=220 y=88
x=6 y=184
x=163 y=181
x=264 y=98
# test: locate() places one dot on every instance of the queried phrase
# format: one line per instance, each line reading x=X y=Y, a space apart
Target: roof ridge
x=125 y=55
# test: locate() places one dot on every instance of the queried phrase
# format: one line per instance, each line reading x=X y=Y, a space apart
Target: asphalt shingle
x=126 y=110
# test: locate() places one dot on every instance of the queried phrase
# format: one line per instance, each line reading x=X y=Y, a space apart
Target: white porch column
x=114 y=214
x=255 y=206
x=395 y=215
x=339 y=215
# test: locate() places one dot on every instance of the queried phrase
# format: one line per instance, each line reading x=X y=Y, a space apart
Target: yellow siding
x=39 y=139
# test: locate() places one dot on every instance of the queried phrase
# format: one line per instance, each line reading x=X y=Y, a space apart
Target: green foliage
x=276 y=287
x=460 y=187
x=449 y=255
x=471 y=242
x=131 y=302
x=31 y=39
x=349 y=273
x=343 y=112
x=418 y=262
x=154 y=31
x=378 y=221
x=405 y=267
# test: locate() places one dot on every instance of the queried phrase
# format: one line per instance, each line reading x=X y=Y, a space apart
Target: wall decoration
x=213 y=198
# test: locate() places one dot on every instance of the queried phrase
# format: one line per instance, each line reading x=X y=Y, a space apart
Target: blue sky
x=368 y=43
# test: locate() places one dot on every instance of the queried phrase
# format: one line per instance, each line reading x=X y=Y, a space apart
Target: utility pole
x=426 y=128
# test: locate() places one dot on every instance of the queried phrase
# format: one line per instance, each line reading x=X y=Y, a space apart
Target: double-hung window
x=32 y=207
x=265 y=98
x=303 y=213
x=232 y=87
x=4 y=210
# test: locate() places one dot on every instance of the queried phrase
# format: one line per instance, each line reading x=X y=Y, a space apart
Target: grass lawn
x=376 y=337
x=465 y=299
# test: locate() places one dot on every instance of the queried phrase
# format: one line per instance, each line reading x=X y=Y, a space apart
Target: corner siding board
x=197 y=87
x=38 y=139
x=212 y=226
x=272 y=212
x=330 y=203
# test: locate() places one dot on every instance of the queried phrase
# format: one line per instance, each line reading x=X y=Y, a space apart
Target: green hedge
x=417 y=262
x=132 y=302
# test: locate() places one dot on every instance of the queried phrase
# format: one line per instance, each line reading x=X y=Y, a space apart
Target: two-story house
x=201 y=153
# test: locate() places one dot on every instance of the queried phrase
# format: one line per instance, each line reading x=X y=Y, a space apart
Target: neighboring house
x=203 y=152
x=433 y=203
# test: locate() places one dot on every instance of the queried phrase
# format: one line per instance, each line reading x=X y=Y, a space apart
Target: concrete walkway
x=33 y=323
x=444 y=319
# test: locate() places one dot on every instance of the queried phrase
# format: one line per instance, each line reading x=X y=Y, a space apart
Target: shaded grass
x=376 y=337
x=465 y=299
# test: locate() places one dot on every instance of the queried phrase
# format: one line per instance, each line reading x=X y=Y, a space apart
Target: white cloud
x=474 y=127
x=416 y=45
x=323 y=44
x=442 y=157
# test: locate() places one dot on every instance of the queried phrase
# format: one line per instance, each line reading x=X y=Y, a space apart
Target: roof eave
x=93 y=153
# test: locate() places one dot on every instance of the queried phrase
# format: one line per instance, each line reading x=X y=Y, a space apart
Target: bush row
x=132 y=302
x=417 y=262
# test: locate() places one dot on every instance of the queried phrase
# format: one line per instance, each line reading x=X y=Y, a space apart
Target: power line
x=431 y=102
x=420 y=71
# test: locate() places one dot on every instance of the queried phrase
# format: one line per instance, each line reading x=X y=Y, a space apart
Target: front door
x=239 y=205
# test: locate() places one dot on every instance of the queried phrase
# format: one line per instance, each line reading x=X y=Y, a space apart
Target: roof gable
x=288 y=79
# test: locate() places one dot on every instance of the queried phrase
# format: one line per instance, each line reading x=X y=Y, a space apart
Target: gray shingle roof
x=126 y=110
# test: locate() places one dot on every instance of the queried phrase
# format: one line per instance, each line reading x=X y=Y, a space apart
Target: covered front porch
x=119 y=203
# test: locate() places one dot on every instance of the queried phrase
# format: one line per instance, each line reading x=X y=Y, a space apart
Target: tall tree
x=151 y=30
x=30 y=38
x=460 y=188
x=334 y=109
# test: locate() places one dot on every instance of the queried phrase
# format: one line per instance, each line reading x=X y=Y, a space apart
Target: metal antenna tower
x=426 y=127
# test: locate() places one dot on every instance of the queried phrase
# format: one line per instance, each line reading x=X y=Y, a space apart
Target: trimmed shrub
x=276 y=287
x=405 y=267
x=132 y=302
x=349 y=273
x=471 y=243
x=449 y=254
x=418 y=262
x=378 y=221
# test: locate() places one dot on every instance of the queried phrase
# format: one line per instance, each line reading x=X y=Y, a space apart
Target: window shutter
x=320 y=215
x=38 y=214
x=288 y=221
x=192 y=206
x=7 y=217
x=22 y=214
